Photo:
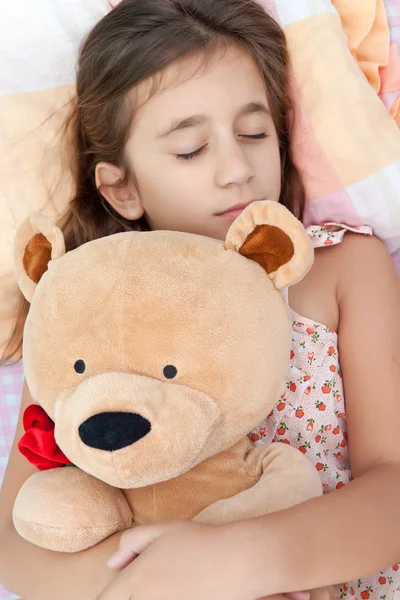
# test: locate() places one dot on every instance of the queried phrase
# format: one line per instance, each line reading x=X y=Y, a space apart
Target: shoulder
x=368 y=294
x=342 y=276
x=359 y=247
x=359 y=260
x=356 y=245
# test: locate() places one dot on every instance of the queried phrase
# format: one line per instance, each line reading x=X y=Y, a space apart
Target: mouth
x=234 y=211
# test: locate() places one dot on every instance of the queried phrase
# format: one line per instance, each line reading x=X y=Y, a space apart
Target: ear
x=123 y=198
x=267 y=233
x=37 y=242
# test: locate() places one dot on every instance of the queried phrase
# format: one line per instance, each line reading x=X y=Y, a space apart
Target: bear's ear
x=37 y=242
x=267 y=233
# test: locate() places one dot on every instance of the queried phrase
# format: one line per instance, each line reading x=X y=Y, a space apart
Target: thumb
x=133 y=542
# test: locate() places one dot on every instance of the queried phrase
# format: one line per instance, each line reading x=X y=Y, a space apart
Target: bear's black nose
x=113 y=430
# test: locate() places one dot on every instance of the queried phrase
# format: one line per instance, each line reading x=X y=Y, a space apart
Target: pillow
x=346 y=143
x=38 y=49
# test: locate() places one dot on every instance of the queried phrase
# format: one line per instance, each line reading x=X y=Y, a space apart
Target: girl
x=182 y=119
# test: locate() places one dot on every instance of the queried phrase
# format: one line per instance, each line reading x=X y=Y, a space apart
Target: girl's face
x=203 y=147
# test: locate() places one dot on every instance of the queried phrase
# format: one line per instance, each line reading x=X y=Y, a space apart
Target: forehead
x=228 y=79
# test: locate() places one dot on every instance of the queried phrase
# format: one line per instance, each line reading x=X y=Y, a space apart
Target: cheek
x=276 y=174
x=170 y=197
x=268 y=168
x=169 y=180
x=163 y=185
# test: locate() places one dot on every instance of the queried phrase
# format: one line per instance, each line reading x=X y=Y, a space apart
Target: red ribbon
x=38 y=443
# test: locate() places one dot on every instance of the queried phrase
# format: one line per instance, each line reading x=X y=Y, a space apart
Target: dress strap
x=331 y=234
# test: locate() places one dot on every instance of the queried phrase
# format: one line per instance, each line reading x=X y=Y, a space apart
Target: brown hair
x=136 y=41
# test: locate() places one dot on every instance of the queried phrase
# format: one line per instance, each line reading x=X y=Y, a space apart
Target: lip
x=235 y=211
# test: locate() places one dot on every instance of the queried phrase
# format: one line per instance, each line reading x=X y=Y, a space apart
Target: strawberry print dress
x=311 y=415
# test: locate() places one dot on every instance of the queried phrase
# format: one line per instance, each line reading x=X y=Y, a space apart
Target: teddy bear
x=150 y=357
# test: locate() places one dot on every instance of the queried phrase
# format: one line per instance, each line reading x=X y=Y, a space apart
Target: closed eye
x=190 y=155
x=256 y=136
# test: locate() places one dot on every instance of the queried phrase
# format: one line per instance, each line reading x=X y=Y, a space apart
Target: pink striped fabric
x=11 y=380
x=393 y=15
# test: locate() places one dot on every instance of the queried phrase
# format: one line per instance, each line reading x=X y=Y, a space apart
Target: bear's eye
x=80 y=367
x=170 y=372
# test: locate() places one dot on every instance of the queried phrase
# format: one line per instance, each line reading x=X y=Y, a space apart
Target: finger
x=298 y=596
x=132 y=542
x=121 y=558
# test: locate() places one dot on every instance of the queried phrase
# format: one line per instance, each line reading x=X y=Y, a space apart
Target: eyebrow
x=196 y=120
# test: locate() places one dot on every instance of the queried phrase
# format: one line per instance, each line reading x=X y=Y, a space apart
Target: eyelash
x=190 y=155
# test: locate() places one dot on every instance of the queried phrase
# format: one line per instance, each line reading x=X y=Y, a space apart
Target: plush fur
x=150 y=442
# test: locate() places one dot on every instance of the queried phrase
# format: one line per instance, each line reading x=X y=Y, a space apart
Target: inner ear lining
x=269 y=246
x=37 y=256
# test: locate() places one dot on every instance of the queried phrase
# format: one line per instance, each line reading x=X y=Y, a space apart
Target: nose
x=233 y=166
x=113 y=430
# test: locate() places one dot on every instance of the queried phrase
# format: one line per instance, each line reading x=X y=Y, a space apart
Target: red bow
x=38 y=444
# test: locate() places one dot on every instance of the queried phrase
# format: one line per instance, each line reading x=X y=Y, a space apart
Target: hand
x=177 y=560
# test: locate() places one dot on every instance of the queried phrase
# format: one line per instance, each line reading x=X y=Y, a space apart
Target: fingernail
x=113 y=560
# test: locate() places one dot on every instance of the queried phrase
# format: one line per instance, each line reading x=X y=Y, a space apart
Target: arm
x=37 y=574
x=358 y=525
